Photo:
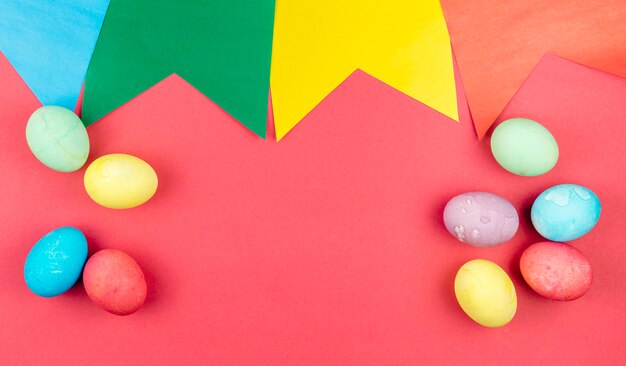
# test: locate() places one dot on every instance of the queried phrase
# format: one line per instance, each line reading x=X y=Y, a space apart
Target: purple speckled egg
x=481 y=219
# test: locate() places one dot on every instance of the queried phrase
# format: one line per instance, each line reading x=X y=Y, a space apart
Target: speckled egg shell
x=55 y=262
x=115 y=282
x=556 y=270
x=481 y=219
x=565 y=212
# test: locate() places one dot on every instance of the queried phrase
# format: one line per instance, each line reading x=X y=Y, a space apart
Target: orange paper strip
x=497 y=43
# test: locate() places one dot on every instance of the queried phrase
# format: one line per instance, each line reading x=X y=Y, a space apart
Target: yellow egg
x=486 y=293
x=120 y=181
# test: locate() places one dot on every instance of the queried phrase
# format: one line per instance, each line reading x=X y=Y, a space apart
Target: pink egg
x=115 y=282
x=481 y=219
x=556 y=270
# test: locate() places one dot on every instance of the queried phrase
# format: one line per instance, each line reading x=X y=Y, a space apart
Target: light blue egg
x=55 y=262
x=565 y=212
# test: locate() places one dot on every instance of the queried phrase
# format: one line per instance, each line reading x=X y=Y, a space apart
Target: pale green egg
x=524 y=147
x=58 y=138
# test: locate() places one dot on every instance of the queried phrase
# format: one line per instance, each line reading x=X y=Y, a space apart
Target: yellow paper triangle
x=319 y=43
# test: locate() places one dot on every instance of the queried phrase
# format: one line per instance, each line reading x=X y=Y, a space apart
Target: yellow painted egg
x=486 y=293
x=120 y=181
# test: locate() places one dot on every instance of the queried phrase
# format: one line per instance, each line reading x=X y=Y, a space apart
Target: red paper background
x=324 y=249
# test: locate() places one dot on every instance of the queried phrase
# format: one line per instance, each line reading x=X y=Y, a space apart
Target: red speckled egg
x=556 y=270
x=115 y=282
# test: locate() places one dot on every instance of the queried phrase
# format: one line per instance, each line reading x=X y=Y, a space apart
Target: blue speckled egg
x=56 y=261
x=565 y=212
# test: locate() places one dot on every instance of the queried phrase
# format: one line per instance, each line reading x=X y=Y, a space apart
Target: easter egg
x=115 y=282
x=565 y=212
x=58 y=138
x=55 y=262
x=481 y=219
x=120 y=181
x=486 y=293
x=556 y=270
x=524 y=147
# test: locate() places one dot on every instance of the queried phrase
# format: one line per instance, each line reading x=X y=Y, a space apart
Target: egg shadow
x=437 y=217
x=77 y=293
x=447 y=278
x=152 y=282
x=528 y=237
x=447 y=286
x=93 y=244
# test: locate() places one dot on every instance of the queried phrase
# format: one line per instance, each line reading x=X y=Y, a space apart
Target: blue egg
x=565 y=212
x=55 y=263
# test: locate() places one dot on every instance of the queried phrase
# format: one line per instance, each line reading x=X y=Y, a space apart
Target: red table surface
x=327 y=248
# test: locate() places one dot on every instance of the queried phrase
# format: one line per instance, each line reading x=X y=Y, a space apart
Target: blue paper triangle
x=50 y=43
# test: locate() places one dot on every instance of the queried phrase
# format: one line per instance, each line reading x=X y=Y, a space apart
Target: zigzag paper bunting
x=318 y=43
x=223 y=48
x=50 y=43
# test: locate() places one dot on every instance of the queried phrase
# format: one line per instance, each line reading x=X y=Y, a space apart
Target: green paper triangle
x=222 y=48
